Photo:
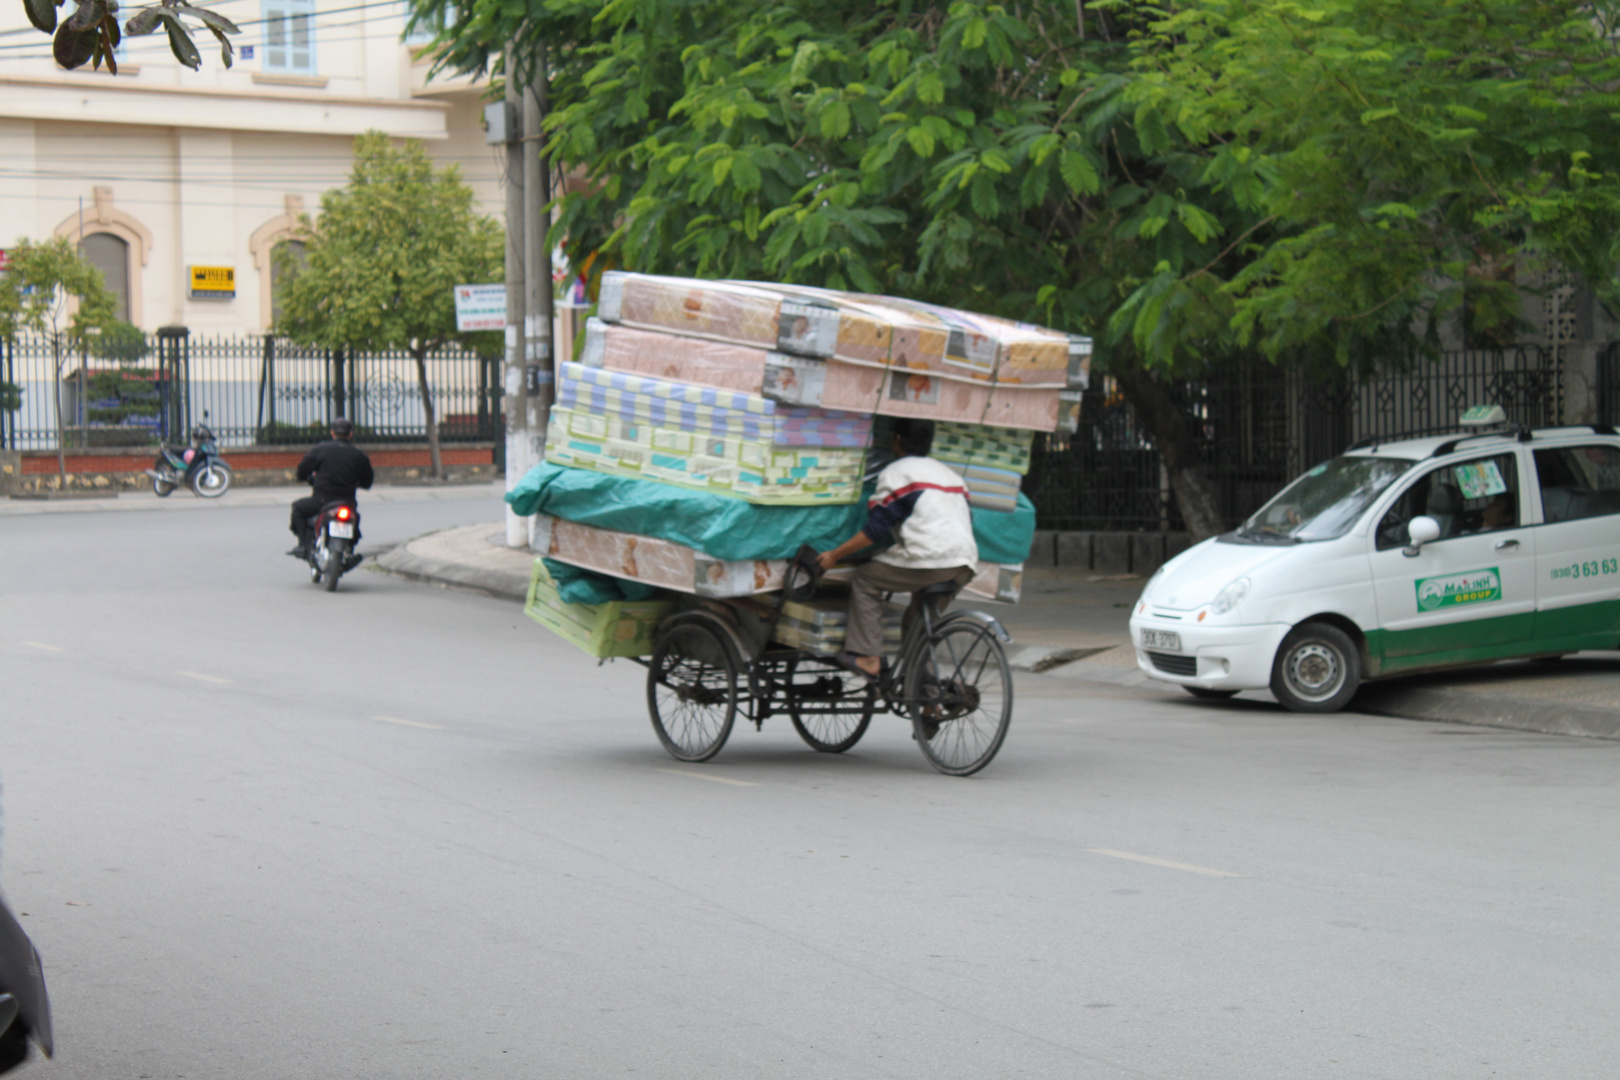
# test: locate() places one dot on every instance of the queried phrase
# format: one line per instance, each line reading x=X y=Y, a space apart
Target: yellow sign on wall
x=212 y=283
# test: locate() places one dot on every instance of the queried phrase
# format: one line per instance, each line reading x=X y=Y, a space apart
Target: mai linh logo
x=1472 y=587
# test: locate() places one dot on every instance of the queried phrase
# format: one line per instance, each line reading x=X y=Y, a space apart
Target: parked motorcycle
x=197 y=466
x=331 y=553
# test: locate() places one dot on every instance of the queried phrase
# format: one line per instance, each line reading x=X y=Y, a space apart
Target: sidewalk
x=1071 y=628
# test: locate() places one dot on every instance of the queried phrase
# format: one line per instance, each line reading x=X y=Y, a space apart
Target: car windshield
x=1325 y=502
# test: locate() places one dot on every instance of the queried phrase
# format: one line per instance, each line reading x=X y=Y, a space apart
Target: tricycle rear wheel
x=959 y=694
x=692 y=691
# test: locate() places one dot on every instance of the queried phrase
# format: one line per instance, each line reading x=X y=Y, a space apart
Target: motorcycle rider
x=335 y=468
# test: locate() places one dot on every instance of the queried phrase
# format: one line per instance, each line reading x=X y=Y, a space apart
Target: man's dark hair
x=343 y=429
x=916 y=436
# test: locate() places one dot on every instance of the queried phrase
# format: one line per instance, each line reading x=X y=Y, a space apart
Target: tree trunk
x=61 y=428
x=420 y=356
x=1176 y=441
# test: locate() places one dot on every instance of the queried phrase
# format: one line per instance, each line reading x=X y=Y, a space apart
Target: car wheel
x=1317 y=669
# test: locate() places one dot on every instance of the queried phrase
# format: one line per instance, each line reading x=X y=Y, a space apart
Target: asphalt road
x=260 y=831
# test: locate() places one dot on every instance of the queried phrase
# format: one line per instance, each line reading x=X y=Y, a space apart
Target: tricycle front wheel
x=692 y=691
x=833 y=708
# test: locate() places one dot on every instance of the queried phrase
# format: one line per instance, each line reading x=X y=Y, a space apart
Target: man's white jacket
x=922 y=504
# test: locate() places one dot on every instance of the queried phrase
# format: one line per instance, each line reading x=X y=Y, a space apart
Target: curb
x=502 y=585
x=1494 y=710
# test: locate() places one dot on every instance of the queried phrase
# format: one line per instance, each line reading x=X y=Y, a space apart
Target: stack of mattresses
x=616 y=628
x=820 y=624
x=706 y=438
x=711 y=413
x=864 y=354
x=670 y=564
x=992 y=461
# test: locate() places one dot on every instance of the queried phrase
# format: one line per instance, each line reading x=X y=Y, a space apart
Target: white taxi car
x=1398 y=557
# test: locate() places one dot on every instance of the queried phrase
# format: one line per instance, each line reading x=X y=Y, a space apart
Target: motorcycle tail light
x=344 y=513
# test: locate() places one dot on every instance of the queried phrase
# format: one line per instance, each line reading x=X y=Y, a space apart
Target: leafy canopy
x=965 y=152
x=379 y=266
x=39 y=280
x=1189 y=180
x=1406 y=156
x=91 y=33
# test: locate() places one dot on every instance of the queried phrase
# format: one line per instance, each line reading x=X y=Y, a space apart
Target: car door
x=1471 y=594
x=1578 y=546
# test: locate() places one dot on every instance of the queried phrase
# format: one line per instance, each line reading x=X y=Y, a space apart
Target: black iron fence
x=249 y=391
x=1608 y=385
x=1259 y=427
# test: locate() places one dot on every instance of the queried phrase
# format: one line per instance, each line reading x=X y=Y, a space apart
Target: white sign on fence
x=480 y=307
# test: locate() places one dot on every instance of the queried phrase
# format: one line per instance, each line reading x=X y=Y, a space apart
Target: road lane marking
x=407 y=723
x=1151 y=861
x=203 y=678
x=710 y=779
x=42 y=645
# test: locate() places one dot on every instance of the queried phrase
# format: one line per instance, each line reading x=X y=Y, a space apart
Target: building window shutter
x=289 y=36
x=110 y=255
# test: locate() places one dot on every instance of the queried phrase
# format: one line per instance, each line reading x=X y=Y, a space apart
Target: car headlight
x=1231 y=596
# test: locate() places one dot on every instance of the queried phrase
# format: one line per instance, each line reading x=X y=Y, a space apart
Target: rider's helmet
x=342 y=428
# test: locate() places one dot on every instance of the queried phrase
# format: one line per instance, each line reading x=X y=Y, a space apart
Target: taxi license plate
x=1161 y=639
x=341 y=529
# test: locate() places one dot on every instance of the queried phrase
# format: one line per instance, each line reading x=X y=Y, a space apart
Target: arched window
x=279 y=275
x=110 y=255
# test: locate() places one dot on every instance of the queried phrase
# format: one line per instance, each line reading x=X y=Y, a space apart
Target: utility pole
x=516 y=400
x=538 y=290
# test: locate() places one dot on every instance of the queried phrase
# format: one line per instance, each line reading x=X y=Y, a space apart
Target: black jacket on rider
x=338 y=468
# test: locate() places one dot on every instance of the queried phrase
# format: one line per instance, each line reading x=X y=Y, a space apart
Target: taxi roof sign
x=1482 y=416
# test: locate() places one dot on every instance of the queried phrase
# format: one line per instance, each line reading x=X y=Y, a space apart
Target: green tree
x=380 y=264
x=1407 y=158
x=1040 y=161
x=962 y=152
x=35 y=294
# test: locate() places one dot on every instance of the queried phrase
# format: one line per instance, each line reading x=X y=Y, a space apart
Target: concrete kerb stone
x=1043 y=552
x=1073 y=551
x=1489 y=710
x=1110 y=553
x=443 y=567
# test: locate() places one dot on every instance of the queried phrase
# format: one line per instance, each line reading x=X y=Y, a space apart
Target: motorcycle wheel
x=212 y=480
x=162 y=488
x=336 y=552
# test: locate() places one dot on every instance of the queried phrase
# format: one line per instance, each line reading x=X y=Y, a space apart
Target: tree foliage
x=91 y=32
x=380 y=264
x=1407 y=158
x=43 y=283
x=40 y=281
x=1185 y=182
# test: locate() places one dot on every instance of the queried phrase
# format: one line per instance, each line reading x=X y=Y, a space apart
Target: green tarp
x=731 y=529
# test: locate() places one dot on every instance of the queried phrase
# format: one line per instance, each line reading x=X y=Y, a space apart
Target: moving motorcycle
x=331 y=551
x=198 y=466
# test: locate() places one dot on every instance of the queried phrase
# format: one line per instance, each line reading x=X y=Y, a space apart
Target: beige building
x=168 y=177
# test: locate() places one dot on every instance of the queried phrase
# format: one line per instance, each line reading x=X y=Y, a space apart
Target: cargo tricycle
x=720 y=658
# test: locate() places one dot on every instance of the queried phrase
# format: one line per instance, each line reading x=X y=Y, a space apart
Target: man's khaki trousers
x=874 y=579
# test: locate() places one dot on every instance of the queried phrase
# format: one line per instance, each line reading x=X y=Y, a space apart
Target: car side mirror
x=1422 y=529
